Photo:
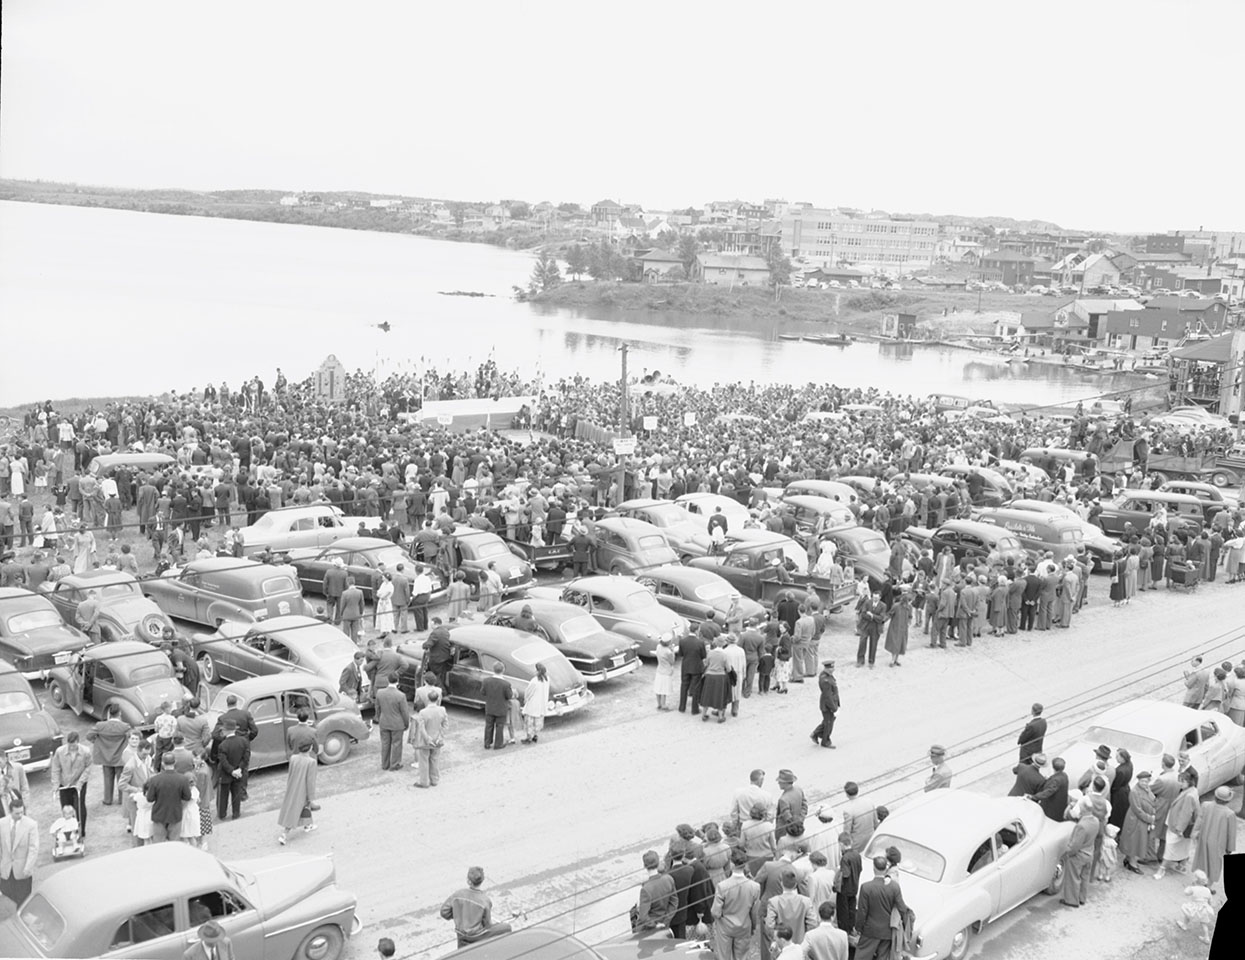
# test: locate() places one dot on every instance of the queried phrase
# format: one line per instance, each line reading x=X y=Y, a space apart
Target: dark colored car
x=33 y=635
x=546 y=943
x=751 y=567
x=868 y=550
x=216 y=589
x=363 y=558
x=594 y=651
x=124 y=613
x=693 y=592
x=133 y=675
x=475 y=549
x=28 y=734
x=968 y=538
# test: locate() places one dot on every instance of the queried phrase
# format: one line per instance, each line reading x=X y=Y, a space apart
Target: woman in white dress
x=383 y=616
x=83 y=549
x=663 y=682
x=535 y=703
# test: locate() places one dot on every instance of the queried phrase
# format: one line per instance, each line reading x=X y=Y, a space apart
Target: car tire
x=1220 y=479
x=150 y=629
x=960 y=943
x=335 y=749
x=207 y=668
x=323 y=943
x=56 y=696
x=1056 y=881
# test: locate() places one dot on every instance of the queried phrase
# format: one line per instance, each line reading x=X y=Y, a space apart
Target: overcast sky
x=1102 y=115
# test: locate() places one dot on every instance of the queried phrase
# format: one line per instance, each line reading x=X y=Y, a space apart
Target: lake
x=99 y=302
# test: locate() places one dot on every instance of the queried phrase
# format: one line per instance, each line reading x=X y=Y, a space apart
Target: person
x=736 y=910
x=847 y=883
x=792 y=806
x=756 y=838
x=393 y=716
x=167 y=792
x=663 y=680
x=471 y=909
x=497 y=696
x=828 y=705
x=715 y=689
x=1196 y=678
x=873 y=614
x=458 y=597
x=783 y=947
x=300 y=792
x=896 y=643
x=790 y=909
x=431 y=724
x=350 y=609
x=134 y=776
x=232 y=756
x=350 y=684
x=71 y=773
x=109 y=738
x=1032 y=736
x=385 y=948
x=66 y=835
x=335 y=582
x=383 y=614
x=1138 y=824
x=749 y=796
x=1166 y=788
x=690 y=886
x=940 y=776
x=535 y=704
x=438 y=653
x=1029 y=778
x=860 y=817
x=1197 y=908
x=19 y=852
x=87 y=614
x=692 y=652
x=13 y=782
x=213 y=944
x=877 y=900
x=1181 y=823
x=1109 y=857
x=302 y=732
x=658 y=900
x=1079 y=854
x=1215 y=835
x=826 y=941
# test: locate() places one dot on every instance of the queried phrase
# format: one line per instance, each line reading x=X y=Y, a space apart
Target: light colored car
x=686 y=535
x=124 y=613
x=967 y=860
x=692 y=592
x=219 y=589
x=274 y=645
x=622 y=605
x=704 y=505
x=277 y=907
x=314 y=525
x=1148 y=729
x=1190 y=417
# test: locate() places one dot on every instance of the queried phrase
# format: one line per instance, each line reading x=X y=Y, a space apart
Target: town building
x=1148 y=329
x=606 y=211
x=732 y=270
x=660 y=266
x=1007 y=267
x=1089 y=315
x=824 y=237
x=1212 y=314
x=1208 y=373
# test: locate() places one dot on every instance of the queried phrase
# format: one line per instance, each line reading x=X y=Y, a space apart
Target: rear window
x=33 y=620
x=151 y=671
x=1008 y=543
x=874 y=546
x=278 y=585
x=579 y=628
x=335 y=648
x=494 y=548
x=1132 y=742
x=119 y=590
x=16 y=700
x=42 y=920
x=918 y=860
x=652 y=542
x=641 y=598
x=714 y=591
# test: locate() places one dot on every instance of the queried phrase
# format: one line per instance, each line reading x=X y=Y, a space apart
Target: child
x=782 y=663
x=1197 y=908
x=1110 y=855
x=765 y=667
x=783 y=948
x=66 y=834
x=166 y=728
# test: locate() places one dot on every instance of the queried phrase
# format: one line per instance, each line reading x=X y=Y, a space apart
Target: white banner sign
x=624 y=446
x=650 y=423
x=689 y=418
x=445 y=419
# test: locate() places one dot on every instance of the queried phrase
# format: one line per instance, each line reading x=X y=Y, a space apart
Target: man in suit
x=874 y=904
x=246 y=727
x=752 y=642
x=134 y=776
x=1015 y=602
x=1029 y=599
x=1053 y=795
x=232 y=755
x=791 y=909
x=692 y=652
x=335 y=578
x=213 y=944
x=393 y=716
x=736 y=910
x=826 y=941
x=428 y=733
x=438 y=653
x=940 y=776
x=351 y=682
x=497 y=696
x=944 y=616
x=19 y=852
x=71 y=772
x=350 y=610
x=658 y=900
x=847 y=883
x=1031 y=736
x=168 y=791
x=1029 y=778
x=401 y=599
x=109 y=738
x=828 y=704
x=1077 y=858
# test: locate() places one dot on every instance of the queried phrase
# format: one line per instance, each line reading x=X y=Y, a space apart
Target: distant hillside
x=999 y=223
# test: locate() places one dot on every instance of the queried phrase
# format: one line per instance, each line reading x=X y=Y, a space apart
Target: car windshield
x=42 y=920
x=146 y=672
x=33 y=620
x=918 y=860
x=15 y=699
x=579 y=628
x=639 y=599
x=118 y=590
x=713 y=591
x=1132 y=742
x=490 y=548
x=652 y=542
x=278 y=585
x=1007 y=543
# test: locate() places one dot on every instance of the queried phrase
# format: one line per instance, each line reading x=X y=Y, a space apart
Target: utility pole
x=624 y=422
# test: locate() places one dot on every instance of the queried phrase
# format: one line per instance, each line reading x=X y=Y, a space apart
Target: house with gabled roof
x=605 y=211
x=732 y=270
x=657 y=266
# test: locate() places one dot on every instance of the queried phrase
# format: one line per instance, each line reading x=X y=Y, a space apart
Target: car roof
x=606 y=584
x=253 y=687
x=641 y=502
x=98 y=578
x=856 y=532
x=149 y=872
x=1163 y=496
x=1054 y=519
x=629 y=525
x=812 y=502
x=360 y=543
x=559 y=609
x=16 y=593
x=293 y=624
x=1152 y=718
x=496 y=641
x=952 y=821
x=677 y=573
x=241 y=567
x=532 y=943
x=118 y=649
x=111 y=459
x=463 y=531
x=977 y=527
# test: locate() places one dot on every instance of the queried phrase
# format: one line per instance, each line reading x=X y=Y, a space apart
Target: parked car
x=275 y=907
x=1054 y=459
x=967 y=860
x=597 y=653
x=988 y=487
x=1150 y=728
x=812 y=511
x=1039 y=533
x=28 y=734
x=686 y=535
x=627 y=546
x=692 y=593
x=868 y=488
x=868 y=549
x=124 y=613
x=621 y=605
x=702 y=506
x=274 y=645
x=314 y=525
x=1190 y=417
x=751 y=565
x=274 y=702
x=1101 y=547
x=475 y=549
x=478 y=648
x=33 y=635
x=367 y=559
x=1137 y=508
x=214 y=590
x=106 y=464
x=827 y=489
x=968 y=538
x=134 y=675
x=1213 y=498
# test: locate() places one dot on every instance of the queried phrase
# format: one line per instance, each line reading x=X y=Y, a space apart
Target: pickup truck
x=1161 y=466
x=967 y=538
x=752 y=569
x=551 y=556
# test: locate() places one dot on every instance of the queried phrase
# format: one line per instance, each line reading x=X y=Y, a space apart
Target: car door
x=1021 y=863
x=737 y=570
x=66 y=598
x=279 y=657
x=311 y=572
x=245 y=656
x=320 y=530
x=1214 y=757
x=268 y=748
x=947 y=538
x=983 y=873
x=603 y=611
x=103 y=688
x=972 y=545
x=228 y=907
x=182 y=593
x=150 y=933
x=466 y=677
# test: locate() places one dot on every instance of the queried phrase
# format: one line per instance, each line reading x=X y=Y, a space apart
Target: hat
x=1039 y=760
x=828 y=663
x=1223 y=794
x=1144 y=775
x=211 y=933
x=825 y=815
x=786 y=776
x=937 y=751
x=1103 y=751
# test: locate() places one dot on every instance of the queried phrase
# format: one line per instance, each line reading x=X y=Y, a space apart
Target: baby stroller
x=67 y=842
x=1184 y=575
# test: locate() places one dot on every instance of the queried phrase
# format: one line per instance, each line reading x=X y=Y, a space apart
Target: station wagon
x=216 y=589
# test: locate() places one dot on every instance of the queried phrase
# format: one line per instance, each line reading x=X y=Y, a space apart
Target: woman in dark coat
x=1120 y=787
x=715 y=689
x=1117 y=579
x=1139 y=821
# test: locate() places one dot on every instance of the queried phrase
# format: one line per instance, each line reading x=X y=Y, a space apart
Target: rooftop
x=1215 y=350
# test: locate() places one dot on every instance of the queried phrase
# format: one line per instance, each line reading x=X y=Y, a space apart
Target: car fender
x=954 y=913
x=285 y=929
x=221 y=610
x=129 y=713
x=351 y=726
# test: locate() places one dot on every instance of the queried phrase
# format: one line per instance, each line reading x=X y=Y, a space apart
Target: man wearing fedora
x=940 y=776
x=213 y=944
x=792 y=806
x=828 y=704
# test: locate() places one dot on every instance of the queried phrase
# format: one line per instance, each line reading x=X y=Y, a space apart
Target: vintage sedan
x=688 y=536
x=367 y=559
x=969 y=859
x=277 y=907
x=624 y=545
x=1150 y=728
x=594 y=651
x=28 y=734
x=475 y=550
x=135 y=676
x=478 y=648
x=33 y=636
x=214 y=590
x=274 y=645
x=274 y=702
x=702 y=506
x=314 y=525
x=868 y=550
x=622 y=605
x=124 y=613
x=692 y=593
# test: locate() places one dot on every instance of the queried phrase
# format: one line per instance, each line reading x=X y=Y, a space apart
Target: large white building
x=830 y=238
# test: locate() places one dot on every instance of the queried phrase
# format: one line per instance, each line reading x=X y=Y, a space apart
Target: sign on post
x=624 y=446
x=445 y=419
x=689 y=418
x=650 y=423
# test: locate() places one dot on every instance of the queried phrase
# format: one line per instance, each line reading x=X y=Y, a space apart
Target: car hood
x=26 y=727
x=281 y=880
x=50 y=640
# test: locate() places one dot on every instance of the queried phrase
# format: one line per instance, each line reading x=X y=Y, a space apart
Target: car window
x=739 y=560
x=280 y=651
x=983 y=856
x=192 y=579
x=577 y=597
x=278 y=585
x=918 y=860
x=265 y=708
x=33 y=620
x=601 y=603
x=575 y=629
x=296 y=700
x=1209 y=729
x=652 y=542
x=466 y=657
x=256 y=641
x=321 y=699
x=69 y=594
x=972 y=540
x=668 y=589
x=16 y=701
x=144 y=926
x=213 y=905
x=328 y=522
x=1010 y=837
x=151 y=671
x=42 y=920
x=104 y=674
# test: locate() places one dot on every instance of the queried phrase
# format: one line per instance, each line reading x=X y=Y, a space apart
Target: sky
x=1112 y=116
